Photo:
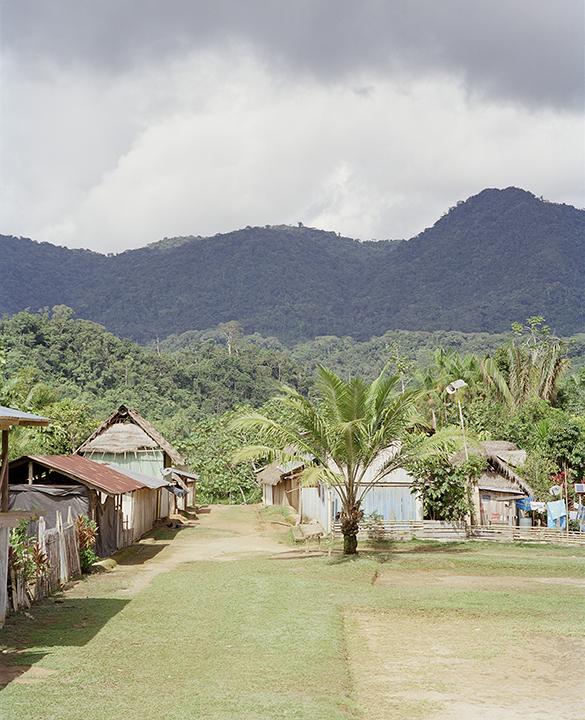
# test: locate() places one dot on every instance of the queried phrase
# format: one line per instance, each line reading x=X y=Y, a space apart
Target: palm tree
x=344 y=434
x=534 y=371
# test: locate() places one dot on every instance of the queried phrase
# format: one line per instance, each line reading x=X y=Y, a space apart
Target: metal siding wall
x=149 y=463
x=314 y=508
x=391 y=501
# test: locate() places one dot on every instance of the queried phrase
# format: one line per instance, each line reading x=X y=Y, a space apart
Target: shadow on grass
x=15 y=665
x=56 y=622
x=388 y=550
x=53 y=622
x=417 y=546
x=138 y=554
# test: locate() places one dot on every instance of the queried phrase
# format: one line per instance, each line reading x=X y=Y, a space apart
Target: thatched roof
x=501 y=477
x=127 y=431
x=275 y=472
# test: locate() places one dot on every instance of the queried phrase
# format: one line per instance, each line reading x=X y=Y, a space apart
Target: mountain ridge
x=497 y=257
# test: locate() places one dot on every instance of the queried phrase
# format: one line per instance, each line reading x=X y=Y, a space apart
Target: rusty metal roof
x=148 y=480
x=88 y=472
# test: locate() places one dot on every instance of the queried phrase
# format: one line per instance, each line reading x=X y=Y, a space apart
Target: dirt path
x=224 y=533
x=407 y=662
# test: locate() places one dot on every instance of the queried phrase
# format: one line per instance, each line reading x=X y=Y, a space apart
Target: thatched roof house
x=499 y=486
x=127 y=439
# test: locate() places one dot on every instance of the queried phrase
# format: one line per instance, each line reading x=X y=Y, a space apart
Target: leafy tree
x=445 y=488
x=73 y=423
x=564 y=443
x=208 y=451
x=344 y=432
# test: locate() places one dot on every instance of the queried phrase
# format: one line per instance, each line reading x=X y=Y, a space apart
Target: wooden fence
x=60 y=547
x=508 y=533
x=438 y=530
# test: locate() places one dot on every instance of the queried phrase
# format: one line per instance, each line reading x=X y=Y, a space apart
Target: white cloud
x=210 y=143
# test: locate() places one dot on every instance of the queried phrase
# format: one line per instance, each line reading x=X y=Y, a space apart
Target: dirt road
x=225 y=533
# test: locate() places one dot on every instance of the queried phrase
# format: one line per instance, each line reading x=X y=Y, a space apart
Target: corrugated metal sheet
x=393 y=502
x=146 y=462
x=96 y=475
x=9 y=416
x=148 y=480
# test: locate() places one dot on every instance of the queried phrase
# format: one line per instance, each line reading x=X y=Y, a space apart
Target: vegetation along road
x=224 y=619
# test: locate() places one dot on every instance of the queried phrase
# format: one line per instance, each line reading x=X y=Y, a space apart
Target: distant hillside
x=499 y=257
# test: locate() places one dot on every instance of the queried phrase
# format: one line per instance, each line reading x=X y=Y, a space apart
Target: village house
x=127 y=440
x=495 y=494
x=124 y=503
x=499 y=487
x=390 y=498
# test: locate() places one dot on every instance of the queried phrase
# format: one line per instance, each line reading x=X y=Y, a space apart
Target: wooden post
x=64 y=570
x=4 y=470
x=566 y=484
x=3 y=573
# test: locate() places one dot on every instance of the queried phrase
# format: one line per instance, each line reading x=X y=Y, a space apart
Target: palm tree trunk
x=349 y=528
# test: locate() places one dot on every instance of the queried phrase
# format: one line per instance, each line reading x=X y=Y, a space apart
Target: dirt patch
x=410 y=665
x=224 y=533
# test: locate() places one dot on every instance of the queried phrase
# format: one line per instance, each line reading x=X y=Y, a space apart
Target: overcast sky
x=126 y=121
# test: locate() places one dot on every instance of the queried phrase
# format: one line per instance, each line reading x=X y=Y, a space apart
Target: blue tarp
x=524 y=503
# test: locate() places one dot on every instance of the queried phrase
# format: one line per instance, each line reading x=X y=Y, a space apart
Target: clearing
x=225 y=619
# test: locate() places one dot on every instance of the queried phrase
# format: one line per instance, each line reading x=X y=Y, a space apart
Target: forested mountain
x=498 y=257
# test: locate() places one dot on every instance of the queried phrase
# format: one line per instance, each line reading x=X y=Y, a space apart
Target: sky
x=127 y=121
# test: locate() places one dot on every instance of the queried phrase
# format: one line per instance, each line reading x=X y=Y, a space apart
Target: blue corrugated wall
x=393 y=502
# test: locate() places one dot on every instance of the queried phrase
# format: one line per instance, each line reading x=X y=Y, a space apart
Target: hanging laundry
x=556 y=509
x=538 y=506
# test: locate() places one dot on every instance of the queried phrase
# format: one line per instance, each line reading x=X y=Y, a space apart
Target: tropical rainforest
x=224 y=322
x=520 y=387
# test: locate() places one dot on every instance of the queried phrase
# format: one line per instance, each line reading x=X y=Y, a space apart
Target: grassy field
x=416 y=630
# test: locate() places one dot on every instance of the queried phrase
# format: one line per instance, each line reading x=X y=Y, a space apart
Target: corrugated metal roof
x=97 y=475
x=183 y=474
x=9 y=416
x=148 y=480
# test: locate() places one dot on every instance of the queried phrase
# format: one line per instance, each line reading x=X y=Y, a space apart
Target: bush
x=87 y=531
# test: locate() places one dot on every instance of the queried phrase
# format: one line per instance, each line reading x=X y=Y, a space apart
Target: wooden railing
x=507 y=533
x=437 y=530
